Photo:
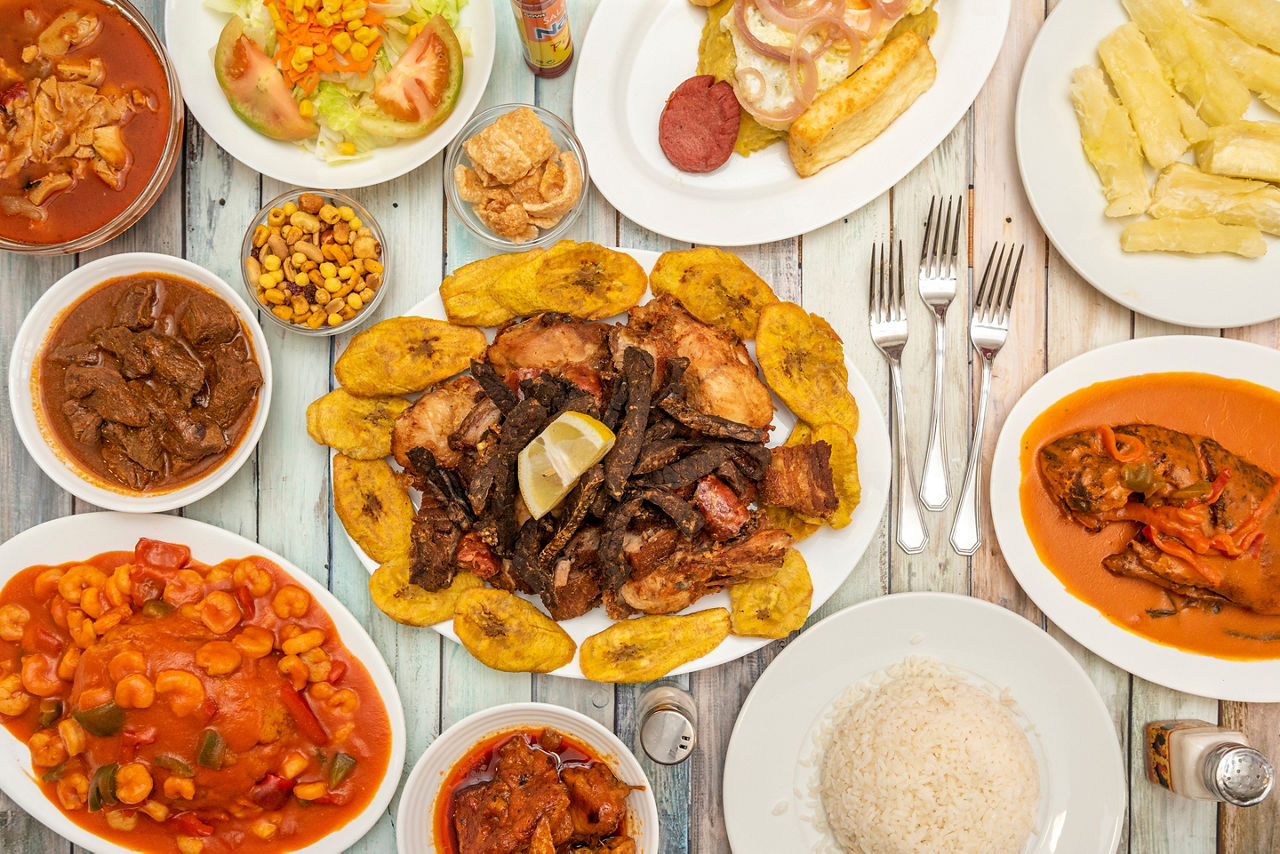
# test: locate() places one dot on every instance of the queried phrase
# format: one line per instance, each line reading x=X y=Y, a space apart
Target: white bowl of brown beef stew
x=140 y=382
x=579 y=787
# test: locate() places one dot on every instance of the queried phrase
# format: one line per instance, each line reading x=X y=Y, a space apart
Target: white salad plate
x=773 y=766
x=636 y=53
x=191 y=30
x=1206 y=291
x=831 y=555
x=1225 y=679
x=87 y=534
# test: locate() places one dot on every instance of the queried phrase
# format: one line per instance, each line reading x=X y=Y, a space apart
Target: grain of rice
x=917 y=761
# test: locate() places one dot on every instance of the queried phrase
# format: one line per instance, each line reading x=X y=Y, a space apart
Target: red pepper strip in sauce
x=1174 y=548
x=1110 y=443
x=131 y=738
x=191 y=825
x=308 y=724
x=161 y=555
x=337 y=671
x=46 y=641
x=245 y=598
x=1219 y=484
x=272 y=792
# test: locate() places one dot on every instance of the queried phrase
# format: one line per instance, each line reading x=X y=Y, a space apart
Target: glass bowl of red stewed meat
x=140 y=382
x=91 y=122
x=589 y=787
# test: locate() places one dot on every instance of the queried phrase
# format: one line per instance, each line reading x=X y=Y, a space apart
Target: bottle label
x=544 y=29
x=1158 y=754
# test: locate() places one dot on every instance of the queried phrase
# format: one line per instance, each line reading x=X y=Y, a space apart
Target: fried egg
x=770 y=91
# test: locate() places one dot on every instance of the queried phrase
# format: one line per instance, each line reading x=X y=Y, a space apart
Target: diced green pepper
x=211 y=750
x=1137 y=476
x=173 y=765
x=102 y=788
x=102 y=721
x=54 y=774
x=50 y=711
x=157 y=608
x=341 y=769
x=1199 y=489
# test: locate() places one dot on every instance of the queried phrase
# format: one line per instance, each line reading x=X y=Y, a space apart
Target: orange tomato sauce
x=240 y=789
x=1242 y=416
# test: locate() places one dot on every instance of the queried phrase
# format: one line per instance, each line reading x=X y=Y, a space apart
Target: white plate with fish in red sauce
x=1202 y=387
x=831 y=555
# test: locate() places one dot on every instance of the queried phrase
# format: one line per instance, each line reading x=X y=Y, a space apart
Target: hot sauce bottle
x=1198 y=760
x=544 y=29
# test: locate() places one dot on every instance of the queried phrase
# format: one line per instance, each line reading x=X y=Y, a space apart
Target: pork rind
x=518 y=182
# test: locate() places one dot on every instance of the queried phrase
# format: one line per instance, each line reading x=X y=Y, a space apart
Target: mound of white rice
x=916 y=760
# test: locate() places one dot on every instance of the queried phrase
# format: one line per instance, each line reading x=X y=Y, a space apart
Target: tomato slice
x=422 y=87
x=255 y=88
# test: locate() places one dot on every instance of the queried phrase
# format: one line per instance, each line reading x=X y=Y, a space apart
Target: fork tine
x=1013 y=283
x=1002 y=273
x=902 y=298
x=982 y=288
x=928 y=229
x=955 y=238
x=941 y=250
x=875 y=305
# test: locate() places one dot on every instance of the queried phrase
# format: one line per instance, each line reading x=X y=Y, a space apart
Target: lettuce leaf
x=257 y=20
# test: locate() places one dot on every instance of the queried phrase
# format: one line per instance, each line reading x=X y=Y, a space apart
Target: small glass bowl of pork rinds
x=516 y=177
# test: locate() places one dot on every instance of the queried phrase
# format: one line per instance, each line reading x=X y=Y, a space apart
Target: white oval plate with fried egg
x=635 y=54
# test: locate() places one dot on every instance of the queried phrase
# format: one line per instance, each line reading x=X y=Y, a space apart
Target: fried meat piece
x=667 y=583
x=556 y=344
x=501 y=816
x=721 y=379
x=800 y=477
x=433 y=542
x=597 y=799
x=434 y=418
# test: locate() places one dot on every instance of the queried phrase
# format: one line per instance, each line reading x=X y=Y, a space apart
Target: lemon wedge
x=551 y=464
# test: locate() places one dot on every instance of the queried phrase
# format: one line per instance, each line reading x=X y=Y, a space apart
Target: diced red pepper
x=189 y=824
x=131 y=738
x=337 y=671
x=47 y=642
x=246 y=602
x=147 y=585
x=161 y=555
x=308 y=724
x=271 y=792
x=208 y=710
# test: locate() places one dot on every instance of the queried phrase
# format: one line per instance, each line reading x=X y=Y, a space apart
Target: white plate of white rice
x=924 y=722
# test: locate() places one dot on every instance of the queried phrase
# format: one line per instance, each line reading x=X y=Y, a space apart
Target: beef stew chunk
x=149 y=382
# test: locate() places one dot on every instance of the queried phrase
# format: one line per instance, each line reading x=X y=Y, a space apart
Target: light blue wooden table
x=281 y=498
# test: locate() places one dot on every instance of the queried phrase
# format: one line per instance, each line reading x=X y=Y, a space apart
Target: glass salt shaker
x=668 y=724
x=1198 y=760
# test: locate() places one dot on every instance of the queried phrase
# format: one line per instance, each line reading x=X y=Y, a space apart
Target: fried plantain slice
x=359 y=427
x=844 y=466
x=585 y=280
x=373 y=505
x=507 y=633
x=803 y=362
x=775 y=606
x=646 y=648
x=406 y=354
x=794 y=523
x=407 y=603
x=468 y=293
x=717 y=287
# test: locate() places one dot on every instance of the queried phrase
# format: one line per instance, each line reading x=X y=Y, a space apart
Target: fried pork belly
x=431 y=421
x=800 y=477
x=721 y=378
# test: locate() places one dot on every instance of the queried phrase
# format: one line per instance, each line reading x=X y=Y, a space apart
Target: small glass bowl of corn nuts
x=313 y=261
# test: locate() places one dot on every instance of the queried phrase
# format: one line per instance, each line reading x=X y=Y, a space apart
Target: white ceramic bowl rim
x=415 y=817
x=31 y=336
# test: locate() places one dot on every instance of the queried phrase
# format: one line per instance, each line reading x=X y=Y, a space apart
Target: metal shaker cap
x=668 y=725
x=1238 y=775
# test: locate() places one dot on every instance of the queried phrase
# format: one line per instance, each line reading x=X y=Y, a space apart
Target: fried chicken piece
x=597 y=799
x=502 y=815
x=555 y=343
x=800 y=477
x=721 y=378
x=434 y=418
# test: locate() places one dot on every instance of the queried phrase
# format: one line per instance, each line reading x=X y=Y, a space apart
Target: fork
x=937 y=289
x=889 y=334
x=988 y=330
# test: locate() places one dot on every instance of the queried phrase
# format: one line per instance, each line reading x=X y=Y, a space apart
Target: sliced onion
x=791 y=16
x=804 y=86
x=890 y=9
x=750 y=83
x=19 y=206
x=852 y=36
x=766 y=50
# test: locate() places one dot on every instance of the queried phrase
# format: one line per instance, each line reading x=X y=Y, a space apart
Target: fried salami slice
x=699 y=124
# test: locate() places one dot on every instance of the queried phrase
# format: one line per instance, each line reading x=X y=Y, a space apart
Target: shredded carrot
x=1111 y=443
x=293 y=34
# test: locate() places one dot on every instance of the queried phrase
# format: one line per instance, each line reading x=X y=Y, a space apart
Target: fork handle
x=935 y=488
x=966 y=530
x=912 y=535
